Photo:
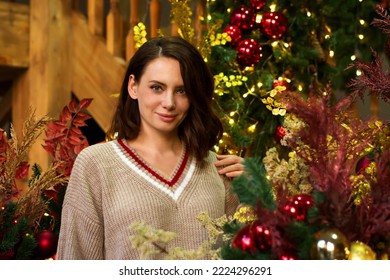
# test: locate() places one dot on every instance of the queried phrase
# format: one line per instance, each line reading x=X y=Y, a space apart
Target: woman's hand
x=232 y=165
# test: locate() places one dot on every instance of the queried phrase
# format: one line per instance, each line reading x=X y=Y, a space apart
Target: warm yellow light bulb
x=252 y=128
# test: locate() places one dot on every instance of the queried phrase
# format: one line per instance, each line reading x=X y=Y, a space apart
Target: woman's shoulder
x=97 y=150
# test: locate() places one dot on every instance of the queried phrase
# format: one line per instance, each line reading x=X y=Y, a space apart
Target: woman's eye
x=156 y=88
x=181 y=91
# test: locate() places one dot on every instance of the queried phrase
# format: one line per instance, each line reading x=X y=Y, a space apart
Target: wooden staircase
x=50 y=50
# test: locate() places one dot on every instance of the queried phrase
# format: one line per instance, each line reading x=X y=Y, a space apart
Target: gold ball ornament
x=361 y=251
x=330 y=244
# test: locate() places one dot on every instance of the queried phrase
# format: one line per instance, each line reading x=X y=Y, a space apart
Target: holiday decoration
x=298 y=205
x=258 y=4
x=249 y=52
x=274 y=25
x=244 y=240
x=281 y=83
x=46 y=244
x=234 y=32
x=280 y=132
x=261 y=235
x=242 y=16
x=362 y=164
x=29 y=221
x=360 y=251
x=330 y=244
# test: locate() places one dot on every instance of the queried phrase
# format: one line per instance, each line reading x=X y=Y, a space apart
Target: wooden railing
x=119 y=35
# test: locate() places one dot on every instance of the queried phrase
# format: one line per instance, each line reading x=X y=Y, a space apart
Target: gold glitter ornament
x=330 y=244
x=361 y=251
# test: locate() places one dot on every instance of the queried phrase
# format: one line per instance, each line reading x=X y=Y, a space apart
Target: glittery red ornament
x=46 y=244
x=274 y=25
x=242 y=16
x=234 y=32
x=298 y=205
x=258 y=4
x=249 y=52
x=279 y=133
x=244 y=240
x=261 y=235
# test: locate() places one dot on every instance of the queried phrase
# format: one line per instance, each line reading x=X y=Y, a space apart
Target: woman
x=160 y=170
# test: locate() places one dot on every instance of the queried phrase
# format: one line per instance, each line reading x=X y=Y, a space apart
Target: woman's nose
x=168 y=101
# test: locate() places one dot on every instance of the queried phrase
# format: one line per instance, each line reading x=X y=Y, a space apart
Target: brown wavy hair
x=201 y=129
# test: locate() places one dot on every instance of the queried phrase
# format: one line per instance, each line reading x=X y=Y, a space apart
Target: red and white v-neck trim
x=178 y=171
x=176 y=184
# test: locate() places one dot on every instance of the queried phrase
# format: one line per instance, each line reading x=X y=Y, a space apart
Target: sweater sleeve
x=231 y=199
x=81 y=233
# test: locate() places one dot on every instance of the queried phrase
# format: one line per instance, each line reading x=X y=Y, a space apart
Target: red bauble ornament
x=261 y=235
x=273 y=24
x=46 y=244
x=298 y=205
x=234 y=32
x=283 y=83
x=244 y=240
x=288 y=256
x=362 y=164
x=279 y=133
x=242 y=16
x=249 y=52
x=258 y=4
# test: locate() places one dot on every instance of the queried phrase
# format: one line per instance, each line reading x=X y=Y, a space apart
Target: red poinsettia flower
x=22 y=170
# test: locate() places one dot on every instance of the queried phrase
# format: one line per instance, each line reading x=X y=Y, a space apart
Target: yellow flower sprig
x=245 y=215
x=223 y=81
x=271 y=102
x=139 y=35
x=219 y=39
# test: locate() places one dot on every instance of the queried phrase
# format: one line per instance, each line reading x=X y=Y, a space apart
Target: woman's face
x=162 y=100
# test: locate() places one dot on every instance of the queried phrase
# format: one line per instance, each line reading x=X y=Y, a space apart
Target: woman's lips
x=166 y=117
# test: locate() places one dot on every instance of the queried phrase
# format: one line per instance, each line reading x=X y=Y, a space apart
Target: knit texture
x=111 y=186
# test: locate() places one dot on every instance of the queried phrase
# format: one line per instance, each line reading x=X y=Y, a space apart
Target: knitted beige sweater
x=111 y=186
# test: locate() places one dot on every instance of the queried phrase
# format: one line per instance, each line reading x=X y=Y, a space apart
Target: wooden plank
x=95 y=17
x=114 y=36
x=96 y=73
x=134 y=20
x=47 y=87
x=14 y=35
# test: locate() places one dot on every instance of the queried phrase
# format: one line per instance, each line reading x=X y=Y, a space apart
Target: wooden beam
x=14 y=35
x=96 y=73
x=47 y=85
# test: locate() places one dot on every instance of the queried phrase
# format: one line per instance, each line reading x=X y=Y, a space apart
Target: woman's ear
x=132 y=87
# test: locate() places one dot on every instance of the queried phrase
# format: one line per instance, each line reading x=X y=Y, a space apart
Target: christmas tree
x=301 y=45
x=331 y=198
